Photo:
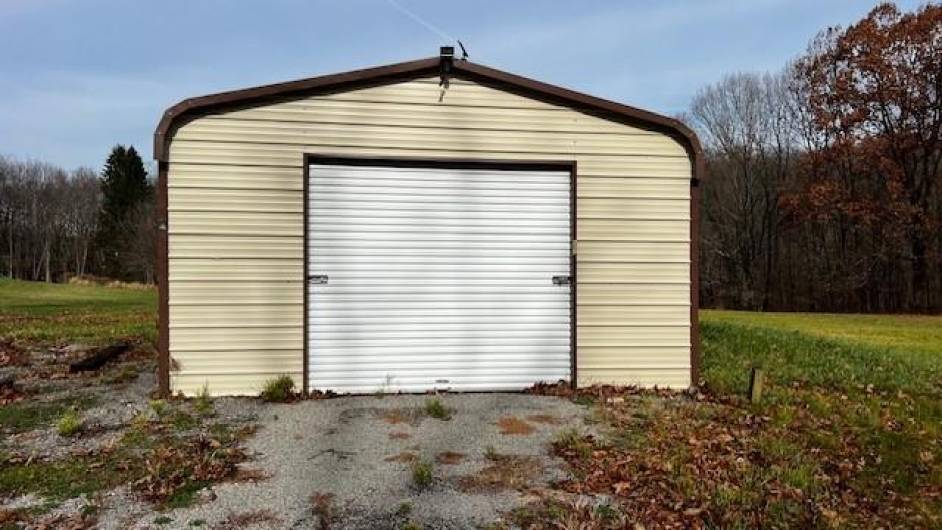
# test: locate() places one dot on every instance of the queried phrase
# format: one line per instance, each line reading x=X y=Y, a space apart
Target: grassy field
x=847 y=352
x=48 y=313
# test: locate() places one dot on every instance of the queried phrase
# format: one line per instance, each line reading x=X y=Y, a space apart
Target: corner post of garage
x=163 y=293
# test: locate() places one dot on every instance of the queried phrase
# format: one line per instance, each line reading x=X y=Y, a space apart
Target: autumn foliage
x=829 y=194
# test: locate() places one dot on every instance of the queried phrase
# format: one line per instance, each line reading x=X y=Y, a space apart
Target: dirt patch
x=449 y=458
x=399 y=435
x=504 y=472
x=513 y=425
x=322 y=505
x=9 y=518
x=545 y=419
x=250 y=475
x=401 y=415
x=404 y=457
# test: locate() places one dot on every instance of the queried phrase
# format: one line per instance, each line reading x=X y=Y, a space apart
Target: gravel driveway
x=350 y=462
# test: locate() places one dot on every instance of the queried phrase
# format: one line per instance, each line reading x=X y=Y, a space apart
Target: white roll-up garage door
x=431 y=278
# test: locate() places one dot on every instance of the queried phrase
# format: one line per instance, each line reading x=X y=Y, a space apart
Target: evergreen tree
x=124 y=188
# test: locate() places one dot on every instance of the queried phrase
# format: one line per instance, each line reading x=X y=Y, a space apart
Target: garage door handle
x=562 y=280
x=317 y=279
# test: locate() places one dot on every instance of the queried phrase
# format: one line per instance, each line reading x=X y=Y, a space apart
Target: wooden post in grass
x=755 y=384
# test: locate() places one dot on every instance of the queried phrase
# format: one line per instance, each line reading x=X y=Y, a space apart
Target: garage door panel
x=433 y=353
x=399 y=314
x=445 y=343
x=437 y=278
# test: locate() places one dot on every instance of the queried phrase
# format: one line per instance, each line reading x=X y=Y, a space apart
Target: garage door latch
x=562 y=280
x=317 y=279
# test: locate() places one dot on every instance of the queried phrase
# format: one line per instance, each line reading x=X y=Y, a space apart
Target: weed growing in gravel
x=404 y=509
x=203 y=404
x=436 y=409
x=182 y=421
x=490 y=453
x=159 y=407
x=69 y=424
x=512 y=425
x=570 y=441
x=278 y=390
x=422 y=474
x=139 y=422
x=162 y=520
x=412 y=525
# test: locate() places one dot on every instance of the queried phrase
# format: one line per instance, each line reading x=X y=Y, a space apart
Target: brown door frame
x=310 y=159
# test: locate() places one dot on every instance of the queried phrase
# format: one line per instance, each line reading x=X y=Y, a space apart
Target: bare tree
x=746 y=124
x=47 y=219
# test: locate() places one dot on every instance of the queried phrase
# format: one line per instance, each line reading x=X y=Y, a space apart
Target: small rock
x=207 y=495
x=614 y=400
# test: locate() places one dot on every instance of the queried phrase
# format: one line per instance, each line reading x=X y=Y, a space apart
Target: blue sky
x=78 y=76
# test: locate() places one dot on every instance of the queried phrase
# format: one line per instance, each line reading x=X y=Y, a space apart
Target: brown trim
x=306 y=253
x=163 y=287
x=449 y=163
x=188 y=108
x=610 y=110
x=573 y=284
x=695 y=354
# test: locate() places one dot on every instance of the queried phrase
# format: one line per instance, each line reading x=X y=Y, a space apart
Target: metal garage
x=431 y=225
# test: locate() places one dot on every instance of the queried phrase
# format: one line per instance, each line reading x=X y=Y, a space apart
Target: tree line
x=823 y=190
x=56 y=224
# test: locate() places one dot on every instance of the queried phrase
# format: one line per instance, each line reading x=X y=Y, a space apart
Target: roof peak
x=603 y=108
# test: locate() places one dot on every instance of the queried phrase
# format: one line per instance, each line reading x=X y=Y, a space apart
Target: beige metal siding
x=236 y=224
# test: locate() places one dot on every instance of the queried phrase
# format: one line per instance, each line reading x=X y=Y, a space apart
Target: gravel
x=337 y=449
x=102 y=424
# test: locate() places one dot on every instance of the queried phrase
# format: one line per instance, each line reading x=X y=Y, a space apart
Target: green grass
x=58 y=480
x=844 y=352
x=871 y=384
x=436 y=409
x=27 y=415
x=69 y=424
x=47 y=313
x=278 y=389
x=422 y=474
x=917 y=336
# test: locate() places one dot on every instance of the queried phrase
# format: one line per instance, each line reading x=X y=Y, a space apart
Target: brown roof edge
x=606 y=108
x=462 y=69
x=300 y=87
